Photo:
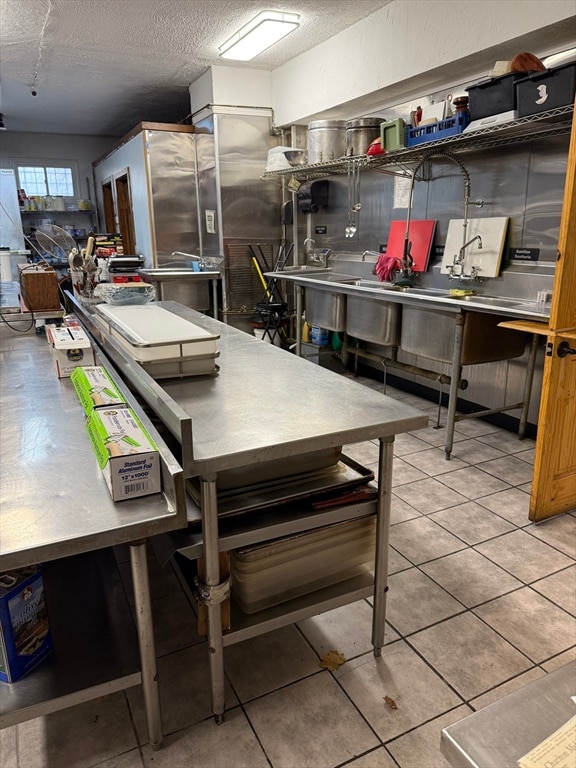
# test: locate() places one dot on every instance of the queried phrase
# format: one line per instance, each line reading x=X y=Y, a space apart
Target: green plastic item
x=393 y=135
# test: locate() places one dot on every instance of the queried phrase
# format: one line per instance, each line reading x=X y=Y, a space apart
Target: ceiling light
x=259 y=34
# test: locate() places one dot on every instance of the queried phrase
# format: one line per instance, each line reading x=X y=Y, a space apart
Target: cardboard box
x=70 y=349
x=125 y=451
x=25 y=637
x=95 y=388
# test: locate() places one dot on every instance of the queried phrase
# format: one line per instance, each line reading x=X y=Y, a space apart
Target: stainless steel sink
x=373 y=320
x=430 y=333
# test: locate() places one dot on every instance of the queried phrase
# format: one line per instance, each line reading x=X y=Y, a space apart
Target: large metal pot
x=326 y=140
x=360 y=133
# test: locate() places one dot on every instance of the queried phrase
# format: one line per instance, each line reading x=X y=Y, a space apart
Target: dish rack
x=450 y=126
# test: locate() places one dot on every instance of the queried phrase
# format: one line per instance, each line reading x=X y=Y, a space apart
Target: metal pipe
x=209 y=508
x=143 y=609
x=383 y=507
x=392 y=362
x=528 y=386
x=456 y=373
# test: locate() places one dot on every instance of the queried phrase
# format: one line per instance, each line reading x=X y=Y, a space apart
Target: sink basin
x=373 y=320
x=433 y=292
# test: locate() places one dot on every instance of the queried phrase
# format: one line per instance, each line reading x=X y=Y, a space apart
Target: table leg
x=145 y=628
x=383 y=510
x=528 y=386
x=209 y=504
x=299 y=310
x=454 y=381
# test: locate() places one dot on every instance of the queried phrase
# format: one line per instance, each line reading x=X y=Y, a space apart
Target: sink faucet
x=460 y=258
x=309 y=246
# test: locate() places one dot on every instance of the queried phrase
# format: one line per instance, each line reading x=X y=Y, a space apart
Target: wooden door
x=554 y=480
x=109 y=214
x=125 y=218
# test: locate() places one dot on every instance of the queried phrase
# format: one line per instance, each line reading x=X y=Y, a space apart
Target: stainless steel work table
x=503 y=732
x=56 y=509
x=265 y=404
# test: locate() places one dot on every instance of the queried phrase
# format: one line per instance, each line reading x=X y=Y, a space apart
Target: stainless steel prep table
x=265 y=404
x=506 y=730
x=55 y=506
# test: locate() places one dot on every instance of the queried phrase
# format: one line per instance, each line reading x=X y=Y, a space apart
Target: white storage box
x=154 y=337
x=271 y=573
x=70 y=349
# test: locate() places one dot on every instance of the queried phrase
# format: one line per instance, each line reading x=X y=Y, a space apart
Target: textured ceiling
x=101 y=66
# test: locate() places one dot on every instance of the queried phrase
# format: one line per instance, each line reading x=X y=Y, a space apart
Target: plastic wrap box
x=125 y=452
x=493 y=96
x=541 y=91
x=70 y=348
x=267 y=574
x=450 y=126
x=24 y=629
x=95 y=388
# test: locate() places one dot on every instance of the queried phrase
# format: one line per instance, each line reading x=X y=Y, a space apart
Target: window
x=44 y=180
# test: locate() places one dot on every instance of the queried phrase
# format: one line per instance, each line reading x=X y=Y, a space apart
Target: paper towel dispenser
x=313 y=196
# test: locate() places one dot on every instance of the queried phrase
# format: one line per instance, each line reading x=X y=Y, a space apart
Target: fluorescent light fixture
x=259 y=34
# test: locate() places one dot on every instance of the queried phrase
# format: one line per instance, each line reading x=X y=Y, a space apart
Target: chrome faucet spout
x=309 y=246
x=463 y=249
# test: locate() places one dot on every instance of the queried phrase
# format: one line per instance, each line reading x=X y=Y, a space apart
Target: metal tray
x=346 y=474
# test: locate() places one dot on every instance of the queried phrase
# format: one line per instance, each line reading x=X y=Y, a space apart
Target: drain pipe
x=393 y=362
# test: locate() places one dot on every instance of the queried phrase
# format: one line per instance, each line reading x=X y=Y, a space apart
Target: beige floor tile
x=8 y=747
x=469 y=655
x=531 y=623
x=524 y=556
x=79 y=736
x=405 y=444
x=560 y=660
x=559 y=532
x=476 y=427
x=347 y=630
x=560 y=589
x=473 y=483
x=471 y=522
x=422 y=539
x=503 y=690
x=378 y=758
x=512 y=505
x=433 y=462
x=401 y=510
x=423 y=744
x=527 y=455
x=207 y=745
x=309 y=723
x=184 y=683
x=429 y=495
x=507 y=441
x=473 y=452
x=263 y=664
x=510 y=469
x=364 y=453
x=415 y=602
x=436 y=437
x=131 y=759
x=400 y=674
x=396 y=562
x=470 y=577
x=404 y=473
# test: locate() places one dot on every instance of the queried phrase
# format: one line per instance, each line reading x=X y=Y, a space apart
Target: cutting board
x=421 y=234
x=488 y=259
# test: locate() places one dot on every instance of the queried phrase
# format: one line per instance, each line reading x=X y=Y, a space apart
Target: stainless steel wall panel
x=172 y=164
x=208 y=193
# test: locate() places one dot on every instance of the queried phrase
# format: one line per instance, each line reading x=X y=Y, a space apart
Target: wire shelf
x=554 y=122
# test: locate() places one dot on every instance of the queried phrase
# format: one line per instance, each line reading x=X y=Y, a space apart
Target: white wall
x=227 y=86
x=44 y=146
x=408 y=48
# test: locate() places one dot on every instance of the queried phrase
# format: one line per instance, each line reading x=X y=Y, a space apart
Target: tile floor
x=481 y=602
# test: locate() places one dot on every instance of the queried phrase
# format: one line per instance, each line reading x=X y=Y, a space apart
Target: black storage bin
x=491 y=97
x=541 y=91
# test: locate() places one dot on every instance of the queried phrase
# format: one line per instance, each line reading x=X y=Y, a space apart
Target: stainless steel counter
x=501 y=733
x=54 y=500
x=265 y=404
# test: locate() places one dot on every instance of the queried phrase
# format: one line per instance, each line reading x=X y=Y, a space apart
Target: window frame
x=44 y=163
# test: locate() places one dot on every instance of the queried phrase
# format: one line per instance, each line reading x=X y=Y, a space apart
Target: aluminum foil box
x=25 y=637
x=126 y=454
x=95 y=388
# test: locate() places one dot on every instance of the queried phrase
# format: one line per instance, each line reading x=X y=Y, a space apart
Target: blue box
x=450 y=126
x=25 y=637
